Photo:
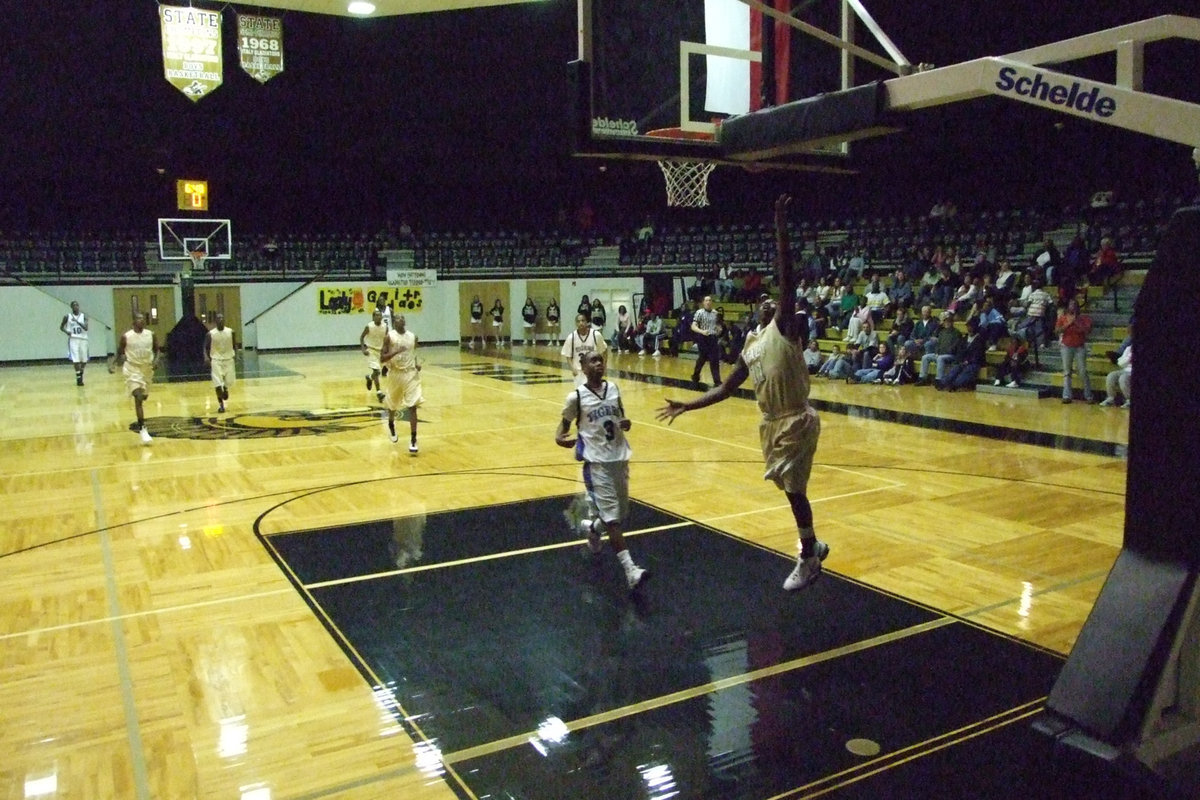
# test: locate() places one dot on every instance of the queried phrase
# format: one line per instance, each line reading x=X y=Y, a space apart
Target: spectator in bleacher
x=1035 y=326
x=991 y=324
x=982 y=266
x=842 y=365
x=944 y=289
x=835 y=353
x=854 y=268
x=867 y=340
x=923 y=337
x=877 y=301
x=924 y=289
x=834 y=306
x=824 y=290
x=1015 y=363
x=813 y=357
x=856 y=320
x=880 y=362
x=903 y=369
x=964 y=372
x=1075 y=262
x=900 y=293
x=901 y=330
x=1073 y=328
x=820 y=322
x=1120 y=380
x=1006 y=284
x=965 y=297
x=752 y=286
x=1048 y=260
x=1106 y=264
x=682 y=332
x=652 y=336
x=946 y=351
x=724 y=284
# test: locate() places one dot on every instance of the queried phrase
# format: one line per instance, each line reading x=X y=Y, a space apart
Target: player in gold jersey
x=789 y=429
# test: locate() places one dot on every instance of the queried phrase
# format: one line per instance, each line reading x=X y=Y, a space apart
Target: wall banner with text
x=191 y=42
x=411 y=277
x=361 y=300
x=260 y=46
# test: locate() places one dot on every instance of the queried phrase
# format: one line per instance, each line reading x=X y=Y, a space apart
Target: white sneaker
x=807 y=569
x=145 y=434
x=1108 y=401
x=635 y=575
x=1128 y=403
x=412 y=448
x=996 y=382
x=1013 y=385
x=471 y=345
x=392 y=435
x=641 y=353
x=657 y=354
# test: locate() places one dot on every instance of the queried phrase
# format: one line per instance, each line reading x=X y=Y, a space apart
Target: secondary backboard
x=688 y=65
x=179 y=239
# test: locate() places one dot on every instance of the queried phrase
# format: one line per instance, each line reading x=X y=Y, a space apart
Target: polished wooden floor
x=151 y=647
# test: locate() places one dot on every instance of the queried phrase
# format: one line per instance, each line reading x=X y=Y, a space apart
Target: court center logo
x=266 y=424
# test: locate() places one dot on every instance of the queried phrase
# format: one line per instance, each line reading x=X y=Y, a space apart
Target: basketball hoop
x=687 y=179
x=197 y=257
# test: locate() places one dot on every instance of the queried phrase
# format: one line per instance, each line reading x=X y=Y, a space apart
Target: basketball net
x=687 y=182
x=197 y=257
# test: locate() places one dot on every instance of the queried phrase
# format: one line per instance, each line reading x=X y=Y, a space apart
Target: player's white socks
x=626 y=560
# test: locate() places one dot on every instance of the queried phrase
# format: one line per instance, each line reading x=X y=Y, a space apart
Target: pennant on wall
x=260 y=46
x=191 y=41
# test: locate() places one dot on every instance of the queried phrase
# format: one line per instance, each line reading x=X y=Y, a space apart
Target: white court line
x=137 y=753
x=490 y=557
x=150 y=613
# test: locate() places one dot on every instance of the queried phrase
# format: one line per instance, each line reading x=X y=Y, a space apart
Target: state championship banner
x=260 y=46
x=191 y=41
x=362 y=300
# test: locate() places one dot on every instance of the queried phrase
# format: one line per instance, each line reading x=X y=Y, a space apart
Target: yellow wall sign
x=362 y=299
x=192 y=195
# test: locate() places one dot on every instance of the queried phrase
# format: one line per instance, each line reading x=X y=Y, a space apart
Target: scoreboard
x=191 y=195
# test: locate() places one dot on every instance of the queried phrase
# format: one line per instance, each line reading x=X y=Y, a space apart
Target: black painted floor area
x=536 y=674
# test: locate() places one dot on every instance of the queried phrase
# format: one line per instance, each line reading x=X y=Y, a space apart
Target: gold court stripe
x=507 y=743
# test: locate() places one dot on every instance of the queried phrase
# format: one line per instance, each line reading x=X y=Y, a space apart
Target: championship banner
x=260 y=46
x=412 y=277
x=191 y=40
x=361 y=300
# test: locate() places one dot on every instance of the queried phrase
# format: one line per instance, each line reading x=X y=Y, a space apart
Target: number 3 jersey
x=597 y=415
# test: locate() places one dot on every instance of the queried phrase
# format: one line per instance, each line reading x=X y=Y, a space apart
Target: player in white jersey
x=137 y=353
x=75 y=326
x=219 y=348
x=583 y=340
x=789 y=428
x=399 y=355
x=600 y=421
x=371 y=342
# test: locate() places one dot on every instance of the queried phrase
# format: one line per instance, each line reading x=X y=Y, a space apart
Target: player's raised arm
x=785 y=277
